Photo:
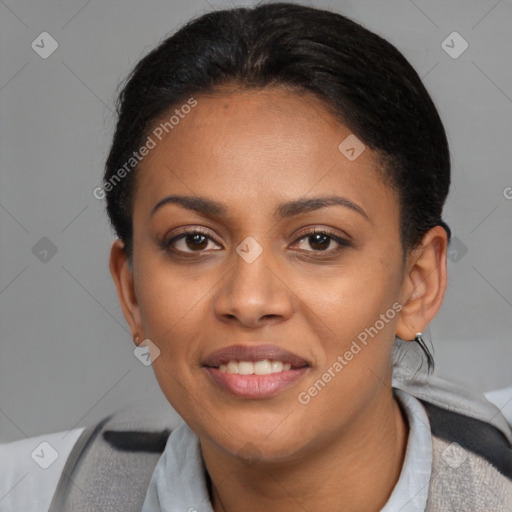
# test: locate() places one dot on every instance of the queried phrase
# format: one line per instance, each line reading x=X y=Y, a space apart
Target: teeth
x=245 y=367
x=264 y=367
x=276 y=366
x=232 y=367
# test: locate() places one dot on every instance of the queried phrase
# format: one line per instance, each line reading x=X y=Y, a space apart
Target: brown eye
x=196 y=242
x=191 y=241
x=322 y=241
x=319 y=241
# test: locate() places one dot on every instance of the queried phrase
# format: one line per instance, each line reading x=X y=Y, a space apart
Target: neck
x=351 y=472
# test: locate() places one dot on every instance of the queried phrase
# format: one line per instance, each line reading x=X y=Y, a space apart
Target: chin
x=256 y=442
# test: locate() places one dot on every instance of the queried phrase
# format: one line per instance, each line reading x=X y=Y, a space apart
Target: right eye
x=192 y=241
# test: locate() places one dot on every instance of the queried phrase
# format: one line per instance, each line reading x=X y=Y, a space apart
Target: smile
x=254 y=372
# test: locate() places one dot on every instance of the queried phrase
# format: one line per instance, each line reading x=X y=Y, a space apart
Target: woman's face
x=253 y=175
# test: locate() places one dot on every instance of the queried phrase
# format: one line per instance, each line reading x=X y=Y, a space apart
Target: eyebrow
x=209 y=207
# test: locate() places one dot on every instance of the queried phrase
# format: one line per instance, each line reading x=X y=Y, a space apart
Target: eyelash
x=166 y=244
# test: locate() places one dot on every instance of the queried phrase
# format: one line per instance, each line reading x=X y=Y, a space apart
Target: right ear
x=122 y=275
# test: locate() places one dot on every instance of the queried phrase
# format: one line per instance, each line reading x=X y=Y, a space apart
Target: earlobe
x=123 y=279
x=424 y=284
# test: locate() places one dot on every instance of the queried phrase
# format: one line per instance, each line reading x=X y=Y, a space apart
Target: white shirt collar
x=411 y=491
x=178 y=483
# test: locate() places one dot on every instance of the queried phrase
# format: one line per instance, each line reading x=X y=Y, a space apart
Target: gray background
x=66 y=354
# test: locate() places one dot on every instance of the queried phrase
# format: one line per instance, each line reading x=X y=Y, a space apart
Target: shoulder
x=30 y=470
x=468 y=435
x=61 y=471
x=502 y=398
x=462 y=479
x=446 y=396
x=471 y=446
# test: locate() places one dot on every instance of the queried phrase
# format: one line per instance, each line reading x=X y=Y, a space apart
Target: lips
x=254 y=372
x=253 y=353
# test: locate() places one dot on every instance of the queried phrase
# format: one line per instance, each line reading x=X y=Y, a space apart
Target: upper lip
x=253 y=353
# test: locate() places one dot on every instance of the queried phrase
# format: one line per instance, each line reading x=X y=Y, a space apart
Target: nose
x=254 y=294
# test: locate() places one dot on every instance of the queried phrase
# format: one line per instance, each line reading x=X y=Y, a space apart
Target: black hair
x=361 y=78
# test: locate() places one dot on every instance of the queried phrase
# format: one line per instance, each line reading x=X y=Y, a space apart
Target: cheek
x=354 y=295
x=357 y=352
x=171 y=305
x=171 y=311
x=361 y=310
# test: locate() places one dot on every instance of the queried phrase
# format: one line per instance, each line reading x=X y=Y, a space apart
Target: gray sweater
x=110 y=465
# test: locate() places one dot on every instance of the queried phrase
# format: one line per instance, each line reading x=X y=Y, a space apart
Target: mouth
x=255 y=372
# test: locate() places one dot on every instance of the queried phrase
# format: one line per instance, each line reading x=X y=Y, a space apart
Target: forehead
x=259 y=147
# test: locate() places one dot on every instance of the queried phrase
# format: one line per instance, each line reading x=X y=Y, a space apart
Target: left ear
x=424 y=284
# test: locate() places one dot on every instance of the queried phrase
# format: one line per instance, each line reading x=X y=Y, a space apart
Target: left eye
x=322 y=241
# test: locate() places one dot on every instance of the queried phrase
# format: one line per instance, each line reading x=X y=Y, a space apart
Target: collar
x=411 y=491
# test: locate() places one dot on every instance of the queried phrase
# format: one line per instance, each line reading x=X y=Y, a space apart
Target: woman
x=276 y=181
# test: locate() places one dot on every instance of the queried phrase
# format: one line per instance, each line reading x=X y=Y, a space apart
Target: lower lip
x=256 y=386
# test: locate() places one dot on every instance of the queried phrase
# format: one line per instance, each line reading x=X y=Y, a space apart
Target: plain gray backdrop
x=66 y=354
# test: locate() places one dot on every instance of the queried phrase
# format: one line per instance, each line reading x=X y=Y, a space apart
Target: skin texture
x=250 y=151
